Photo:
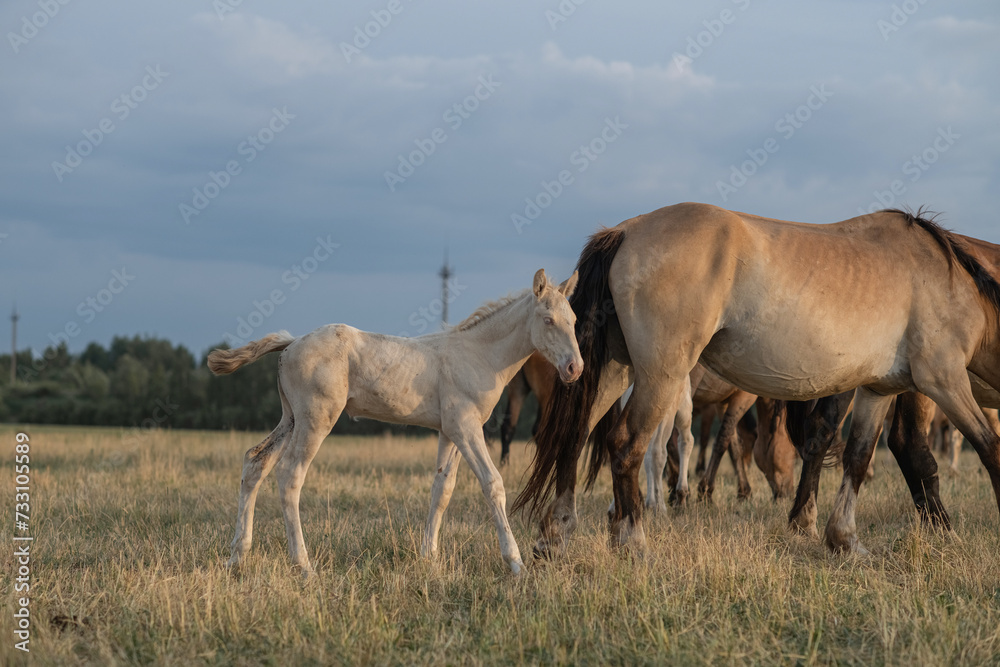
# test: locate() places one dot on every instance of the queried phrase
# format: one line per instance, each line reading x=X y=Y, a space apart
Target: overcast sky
x=176 y=169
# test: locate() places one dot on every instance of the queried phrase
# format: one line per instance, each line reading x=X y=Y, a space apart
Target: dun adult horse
x=886 y=302
x=447 y=381
x=814 y=427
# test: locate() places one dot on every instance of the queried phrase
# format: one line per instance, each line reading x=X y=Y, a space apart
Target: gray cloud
x=553 y=91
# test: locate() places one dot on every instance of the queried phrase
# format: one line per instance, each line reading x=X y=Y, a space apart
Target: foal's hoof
x=516 y=567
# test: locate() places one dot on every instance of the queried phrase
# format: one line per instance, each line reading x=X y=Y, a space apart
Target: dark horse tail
x=563 y=430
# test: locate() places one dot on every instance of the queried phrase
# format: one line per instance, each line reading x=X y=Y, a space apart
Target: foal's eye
x=548 y=320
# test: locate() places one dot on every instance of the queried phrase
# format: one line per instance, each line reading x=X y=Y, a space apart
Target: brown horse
x=538 y=376
x=813 y=429
x=886 y=302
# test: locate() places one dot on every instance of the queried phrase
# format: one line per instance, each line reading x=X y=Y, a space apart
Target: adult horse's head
x=553 y=326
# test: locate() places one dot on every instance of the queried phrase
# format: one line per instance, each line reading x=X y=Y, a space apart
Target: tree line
x=148 y=382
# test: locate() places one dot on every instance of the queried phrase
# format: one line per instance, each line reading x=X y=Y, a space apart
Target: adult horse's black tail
x=563 y=430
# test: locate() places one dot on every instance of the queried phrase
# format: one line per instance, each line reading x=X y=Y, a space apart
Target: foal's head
x=552 y=324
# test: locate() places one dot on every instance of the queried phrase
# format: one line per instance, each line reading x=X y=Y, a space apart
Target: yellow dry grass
x=131 y=536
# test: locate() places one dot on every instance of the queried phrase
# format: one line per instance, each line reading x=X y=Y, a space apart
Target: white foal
x=447 y=381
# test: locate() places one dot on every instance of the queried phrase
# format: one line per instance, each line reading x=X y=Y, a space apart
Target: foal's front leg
x=467 y=435
x=444 y=484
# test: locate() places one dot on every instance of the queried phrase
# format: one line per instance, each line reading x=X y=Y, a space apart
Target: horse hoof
x=850 y=544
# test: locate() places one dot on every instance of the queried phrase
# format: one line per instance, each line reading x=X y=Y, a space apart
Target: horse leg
x=654 y=462
x=773 y=452
x=705 y=439
x=441 y=490
x=707 y=484
x=727 y=441
x=869 y=414
x=955 y=439
x=746 y=434
x=559 y=519
x=909 y=442
x=650 y=400
x=672 y=472
x=783 y=459
x=685 y=442
x=257 y=463
x=763 y=446
x=464 y=431
x=821 y=428
x=516 y=392
x=954 y=396
x=311 y=428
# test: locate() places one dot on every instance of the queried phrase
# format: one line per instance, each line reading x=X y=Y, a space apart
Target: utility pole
x=445 y=274
x=14 y=317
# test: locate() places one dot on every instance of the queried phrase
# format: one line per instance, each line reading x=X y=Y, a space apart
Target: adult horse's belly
x=799 y=362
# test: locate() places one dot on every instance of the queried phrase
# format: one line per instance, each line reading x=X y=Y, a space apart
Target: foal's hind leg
x=654 y=461
x=257 y=463
x=444 y=484
x=311 y=428
x=869 y=413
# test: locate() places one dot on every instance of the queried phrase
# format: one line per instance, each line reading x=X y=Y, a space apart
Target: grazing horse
x=885 y=302
x=447 y=381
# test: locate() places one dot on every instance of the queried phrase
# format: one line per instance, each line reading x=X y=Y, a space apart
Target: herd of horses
x=686 y=307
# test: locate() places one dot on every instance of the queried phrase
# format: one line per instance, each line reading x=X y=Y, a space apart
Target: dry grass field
x=131 y=537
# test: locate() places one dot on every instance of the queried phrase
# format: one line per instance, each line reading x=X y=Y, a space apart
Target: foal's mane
x=488 y=309
x=955 y=250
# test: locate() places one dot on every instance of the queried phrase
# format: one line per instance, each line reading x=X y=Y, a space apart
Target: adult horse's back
x=887 y=302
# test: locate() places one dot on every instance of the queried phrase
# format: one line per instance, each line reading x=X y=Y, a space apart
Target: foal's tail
x=563 y=430
x=223 y=362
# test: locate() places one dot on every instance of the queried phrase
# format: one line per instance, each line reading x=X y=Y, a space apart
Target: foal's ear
x=568 y=287
x=540 y=282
